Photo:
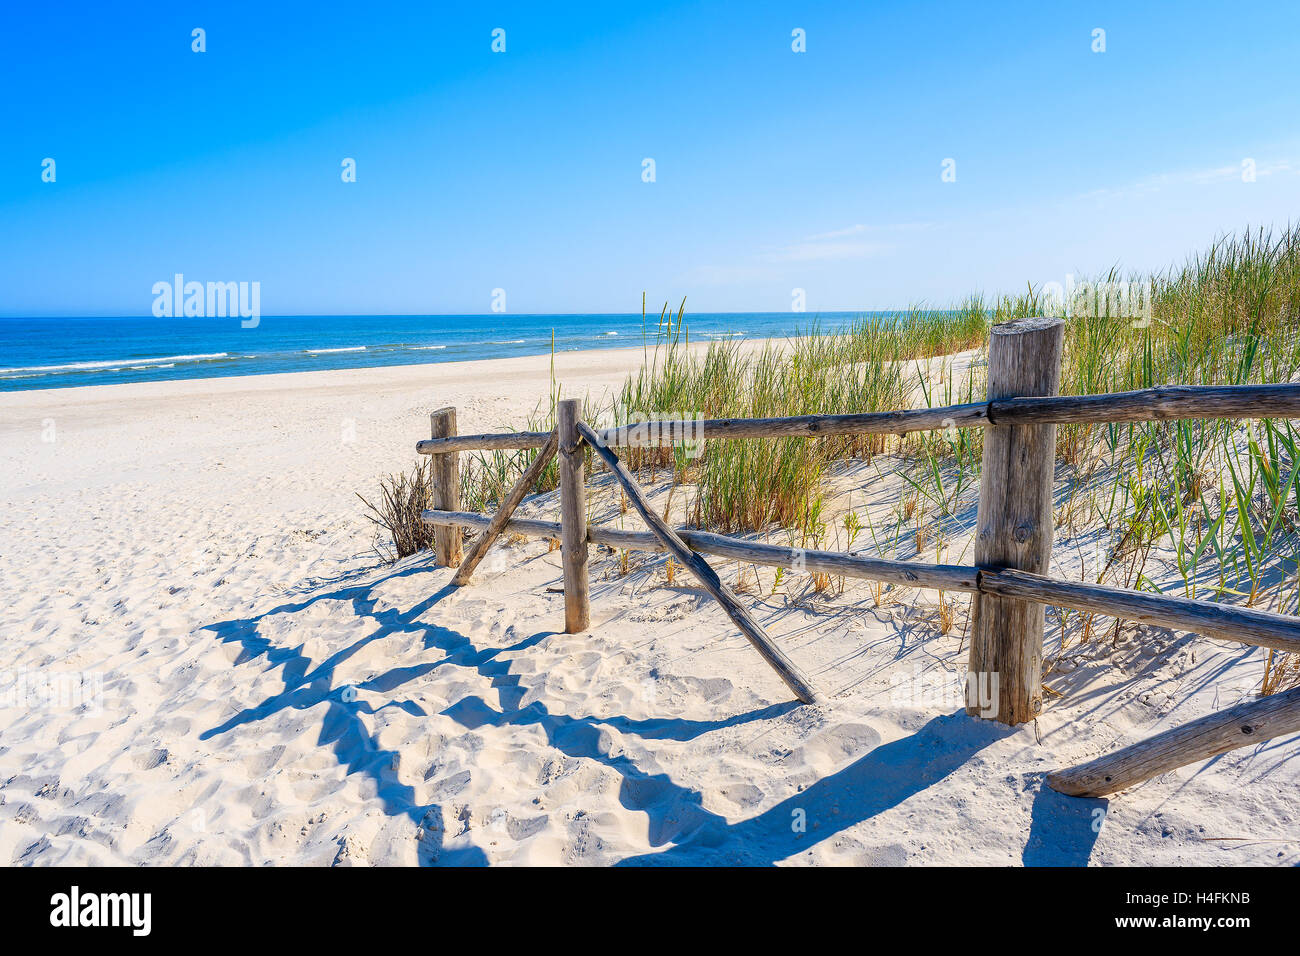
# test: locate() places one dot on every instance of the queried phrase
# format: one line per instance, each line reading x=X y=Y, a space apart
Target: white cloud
x=837 y=233
x=855 y=242
x=827 y=251
x=826 y=247
x=1188 y=177
x=858 y=229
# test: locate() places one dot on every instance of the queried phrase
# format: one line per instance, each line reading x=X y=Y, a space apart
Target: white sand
x=271 y=693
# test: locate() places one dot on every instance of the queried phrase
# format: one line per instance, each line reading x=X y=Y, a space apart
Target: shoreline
x=579 y=364
x=41 y=355
x=321 y=379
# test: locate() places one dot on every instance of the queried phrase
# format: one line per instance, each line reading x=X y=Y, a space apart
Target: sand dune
x=271 y=693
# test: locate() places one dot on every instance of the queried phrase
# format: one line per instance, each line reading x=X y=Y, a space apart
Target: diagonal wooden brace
x=479 y=547
x=707 y=577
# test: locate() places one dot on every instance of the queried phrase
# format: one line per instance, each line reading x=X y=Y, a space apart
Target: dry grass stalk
x=402 y=499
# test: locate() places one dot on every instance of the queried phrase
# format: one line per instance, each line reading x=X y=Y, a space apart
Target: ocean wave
x=508 y=342
x=351 y=348
x=425 y=348
x=117 y=363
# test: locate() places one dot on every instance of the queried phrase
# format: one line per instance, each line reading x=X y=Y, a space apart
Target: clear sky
x=523 y=170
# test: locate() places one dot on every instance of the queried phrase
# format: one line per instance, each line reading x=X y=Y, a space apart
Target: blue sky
x=522 y=170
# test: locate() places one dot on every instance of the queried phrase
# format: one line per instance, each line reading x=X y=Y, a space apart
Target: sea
x=52 y=352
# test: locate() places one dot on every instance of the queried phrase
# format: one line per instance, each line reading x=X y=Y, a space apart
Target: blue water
x=63 y=352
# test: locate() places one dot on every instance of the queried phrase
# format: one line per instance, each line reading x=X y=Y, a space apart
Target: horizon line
x=413 y=315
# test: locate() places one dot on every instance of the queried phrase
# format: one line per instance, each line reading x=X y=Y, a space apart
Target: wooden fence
x=1013 y=542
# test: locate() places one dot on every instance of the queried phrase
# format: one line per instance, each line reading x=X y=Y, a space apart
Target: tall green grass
x=749 y=485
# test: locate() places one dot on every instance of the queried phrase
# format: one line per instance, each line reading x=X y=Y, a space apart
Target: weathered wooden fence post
x=446 y=488
x=573 y=517
x=1014 y=525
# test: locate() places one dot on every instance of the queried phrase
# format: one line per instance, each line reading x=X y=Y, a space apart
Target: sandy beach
x=266 y=690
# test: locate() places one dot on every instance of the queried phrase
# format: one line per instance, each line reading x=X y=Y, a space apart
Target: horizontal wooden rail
x=1163 y=403
x=682 y=430
x=1229 y=622
x=498 y=440
x=1211 y=618
x=796 y=426
x=1248 y=723
x=908 y=573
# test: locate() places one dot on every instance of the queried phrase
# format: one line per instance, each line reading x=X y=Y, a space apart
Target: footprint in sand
x=151 y=760
x=832 y=749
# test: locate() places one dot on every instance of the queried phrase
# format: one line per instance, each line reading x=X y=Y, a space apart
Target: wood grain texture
x=573 y=517
x=797 y=426
x=1163 y=403
x=497 y=440
x=708 y=578
x=446 y=488
x=650 y=433
x=480 y=545
x=1248 y=723
x=1014 y=523
x=533 y=527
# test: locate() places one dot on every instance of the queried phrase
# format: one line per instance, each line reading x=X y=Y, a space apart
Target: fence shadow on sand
x=880 y=779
